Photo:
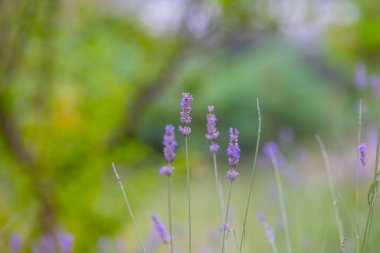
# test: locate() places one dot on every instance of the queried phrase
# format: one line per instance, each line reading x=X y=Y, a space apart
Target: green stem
x=225 y=220
x=282 y=202
x=170 y=214
x=188 y=191
x=338 y=220
x=219 y=189
x=357 y=180
x=253 y=172
x=129 y=209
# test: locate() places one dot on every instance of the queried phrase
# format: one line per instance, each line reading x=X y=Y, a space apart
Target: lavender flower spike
x=268 y=230
x=161 y=229
x=185 y=114
x=66 y=242
x=363 y=154
x=169 y=143
x=212 y=132
x=233 y=149
x=15 y=243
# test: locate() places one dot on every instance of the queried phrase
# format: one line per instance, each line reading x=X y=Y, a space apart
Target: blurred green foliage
x=83 y=84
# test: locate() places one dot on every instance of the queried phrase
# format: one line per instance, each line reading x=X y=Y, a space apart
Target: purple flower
x=166 y=170
x=15 y=243
x=65 y=242
x=185 y=114
x=268 y=230
x=214 y=147
x=233 y=149
x=45 y=245
x=226 y=227
x=360 y=75
x=169 y=143
x=363 y=153
x=212 y=132
x=270 y=148
x=161 y=229
x=232 y=174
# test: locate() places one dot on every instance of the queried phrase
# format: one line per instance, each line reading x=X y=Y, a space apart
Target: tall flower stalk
x=129 y=209
x=184 y=129
x=212 y=135
x=270 y=150
x=233 y=152
x=338 y=220
x=170 y=145
x=253 y=172
x=269 y=232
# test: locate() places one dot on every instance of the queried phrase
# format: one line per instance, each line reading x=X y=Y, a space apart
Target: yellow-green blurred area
x=87 y=83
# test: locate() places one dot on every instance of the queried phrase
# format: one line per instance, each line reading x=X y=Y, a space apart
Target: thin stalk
x=275 y=250
x=372 y=203
x=188 y=190
x=357 y=180
x=170 y=214
x=338 y=220
x=282 y=202
x=129 y=209
x=225 y=220
x=253 y=172
x=219 y=189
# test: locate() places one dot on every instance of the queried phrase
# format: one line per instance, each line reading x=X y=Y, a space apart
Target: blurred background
x=86 y=83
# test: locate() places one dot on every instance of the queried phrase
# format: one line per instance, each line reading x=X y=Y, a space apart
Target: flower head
x=226 y=227
x=15 y=243
x=166 y=170
x=161 y=229
x=65 y=242
x=233 y=149
x=268 y=230
x=169 y=143
x=212 y=132
x=185 y=114
x=232 y=174
x=363 y=154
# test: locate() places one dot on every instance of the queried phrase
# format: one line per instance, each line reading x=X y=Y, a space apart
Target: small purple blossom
x=166 y=170
x=161 y=229
x=226 y=227
x=214 y=147
x=15 y=243
x=360 y=75
x=169 y=143
x=185 y=114
x=363 y=154
x=232 y=174
x=65 y=242
x=233 y=149
x=45 y=245
x=271 y=149
x=268 y=230
x=212 y=132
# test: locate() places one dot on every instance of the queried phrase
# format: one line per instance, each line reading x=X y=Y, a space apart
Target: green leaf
x=372 y=191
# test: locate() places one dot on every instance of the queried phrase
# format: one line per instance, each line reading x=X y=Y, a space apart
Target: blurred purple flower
x=169 y=143
x=161 y=229
x=360 y=75
x=46 y=244
x=205 y=249
x=233 y=149
x=232 y=174
x=271 y=148
x=226 y=227
x=65 y=242
x=286 y=134
x=185 y=114
x=15 y=243
x=166 y=170
x=212 y=132
x=268 y=230
x=363 y=154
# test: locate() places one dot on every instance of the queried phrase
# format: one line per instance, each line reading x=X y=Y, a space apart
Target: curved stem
x=129 y=209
